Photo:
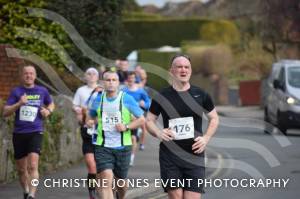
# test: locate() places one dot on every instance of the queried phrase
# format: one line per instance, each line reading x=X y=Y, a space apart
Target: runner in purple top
x=30 y=103
x=37 y=98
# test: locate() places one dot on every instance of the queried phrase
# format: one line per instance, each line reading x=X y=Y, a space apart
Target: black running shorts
x=25 y=143
x=178 y=173
x=87 y=145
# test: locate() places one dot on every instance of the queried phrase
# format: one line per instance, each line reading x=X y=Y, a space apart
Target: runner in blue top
x=30 y=103
x=142 y=98
x=138 y=93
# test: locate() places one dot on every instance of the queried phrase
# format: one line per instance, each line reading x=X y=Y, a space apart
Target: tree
x=131 y=6
x=280 y=24
x=98 y=22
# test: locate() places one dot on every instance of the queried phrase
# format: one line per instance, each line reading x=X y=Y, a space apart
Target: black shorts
x=87 y=145
x=177 y=173
x=25 y=143
x=134 y=132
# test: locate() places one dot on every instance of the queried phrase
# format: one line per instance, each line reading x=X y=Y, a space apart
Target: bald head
x=180 y=56
x=28 y=76
x=28 y=68
x=110 y=74
x=181 y=68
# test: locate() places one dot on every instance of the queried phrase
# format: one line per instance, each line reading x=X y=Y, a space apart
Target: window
x=294 y=76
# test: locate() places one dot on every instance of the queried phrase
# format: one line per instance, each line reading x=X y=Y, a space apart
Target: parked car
x=282 y=105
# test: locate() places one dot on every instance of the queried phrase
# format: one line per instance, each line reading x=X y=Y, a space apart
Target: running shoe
x=142 y=147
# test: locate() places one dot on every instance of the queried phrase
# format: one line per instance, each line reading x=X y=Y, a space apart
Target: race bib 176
x=183 y=127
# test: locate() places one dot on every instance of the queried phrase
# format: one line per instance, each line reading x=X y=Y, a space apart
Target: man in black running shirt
x=181 y=153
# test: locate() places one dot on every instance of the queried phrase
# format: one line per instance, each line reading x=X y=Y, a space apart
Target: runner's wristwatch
x=127 y=127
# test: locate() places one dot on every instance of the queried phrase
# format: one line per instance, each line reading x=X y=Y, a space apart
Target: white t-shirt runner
x=81 y=100
x=81 y=96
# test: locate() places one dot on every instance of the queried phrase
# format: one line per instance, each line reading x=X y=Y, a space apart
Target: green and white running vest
x=109 y=114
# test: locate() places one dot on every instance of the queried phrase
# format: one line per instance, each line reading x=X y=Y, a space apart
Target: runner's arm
x=13 y=104
x=213 y=122
x=146 y=99
x=154 y=111
x=91 y=116
x=202 y=141
x=213 y=118
x=136 y=111
x=47 y=110
x=90 y=121
x=137 y=123
x=151 y=126
x=10 y=109
x=51 y=107
x=162 y=134
x=76 y=106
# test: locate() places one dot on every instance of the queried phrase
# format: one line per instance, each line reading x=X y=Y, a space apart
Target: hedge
x=153 y=33
x=160 y=59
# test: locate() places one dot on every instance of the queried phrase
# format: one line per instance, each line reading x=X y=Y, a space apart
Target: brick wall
x=9 y=72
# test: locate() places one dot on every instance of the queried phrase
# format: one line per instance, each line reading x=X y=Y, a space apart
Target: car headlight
x=292 y=100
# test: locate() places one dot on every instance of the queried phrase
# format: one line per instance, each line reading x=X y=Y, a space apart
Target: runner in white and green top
x=113 y=111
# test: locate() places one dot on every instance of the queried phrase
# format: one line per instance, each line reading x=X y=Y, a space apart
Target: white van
x=282 y=105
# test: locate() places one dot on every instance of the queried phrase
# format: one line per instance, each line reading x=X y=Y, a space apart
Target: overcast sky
x=159 y=3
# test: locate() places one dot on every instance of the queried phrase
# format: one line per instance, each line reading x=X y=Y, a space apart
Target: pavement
x=253 y=112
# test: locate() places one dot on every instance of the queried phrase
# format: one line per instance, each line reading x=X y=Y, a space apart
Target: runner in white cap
x=80 y=106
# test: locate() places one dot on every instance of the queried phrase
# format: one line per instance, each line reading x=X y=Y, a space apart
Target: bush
x=140 y=16
x=53 y=129
x=208 y=60
x=13 y=14
x=220 y=32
